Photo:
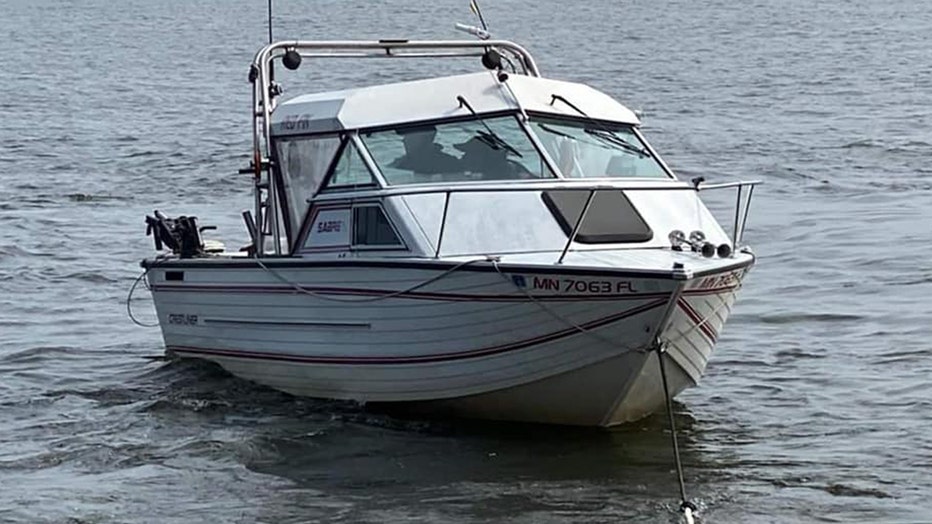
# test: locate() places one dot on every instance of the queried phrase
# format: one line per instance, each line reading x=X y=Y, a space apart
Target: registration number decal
x=179 y=319
x=583 y=286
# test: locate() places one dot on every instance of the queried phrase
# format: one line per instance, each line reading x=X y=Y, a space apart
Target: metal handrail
x=741 y=211
x=513 y=186
x=393 y=49
x=737 y=233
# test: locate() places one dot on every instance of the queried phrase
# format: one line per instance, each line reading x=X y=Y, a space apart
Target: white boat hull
x=538 y=345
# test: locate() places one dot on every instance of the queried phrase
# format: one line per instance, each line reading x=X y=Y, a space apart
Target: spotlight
x=491 y=59
x=696 y=238
x=677 y=239
x=292 y=59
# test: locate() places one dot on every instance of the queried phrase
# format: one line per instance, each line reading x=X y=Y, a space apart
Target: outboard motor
x=181 y=234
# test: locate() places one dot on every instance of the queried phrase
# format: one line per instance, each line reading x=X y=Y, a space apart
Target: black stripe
x=477 y=267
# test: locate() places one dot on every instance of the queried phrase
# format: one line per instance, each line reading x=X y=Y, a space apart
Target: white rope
x=324 y=296
x=132 y=289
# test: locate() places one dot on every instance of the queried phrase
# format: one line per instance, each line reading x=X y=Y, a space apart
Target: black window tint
x=611 y=217
x=372 y=228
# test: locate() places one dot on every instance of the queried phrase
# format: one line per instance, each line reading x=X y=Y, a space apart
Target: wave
x=85 y=197
x=793 y=318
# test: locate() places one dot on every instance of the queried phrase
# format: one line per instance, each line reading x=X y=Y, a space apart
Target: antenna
x=474 y=7
x=270 y=21
x=271 y=65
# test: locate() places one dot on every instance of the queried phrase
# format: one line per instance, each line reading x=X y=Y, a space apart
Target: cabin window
x=329 y=228
x=466 y=150
x=611 y=217
x=350 y=171
x=302 y=164
x=592 y=150
x=372 y=228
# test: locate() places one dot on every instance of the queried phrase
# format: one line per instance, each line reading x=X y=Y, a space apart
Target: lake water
x=816 y=406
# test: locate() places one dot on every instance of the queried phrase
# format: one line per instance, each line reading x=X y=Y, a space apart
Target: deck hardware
x=677 y=239
x=492 y=60
x=696 y=238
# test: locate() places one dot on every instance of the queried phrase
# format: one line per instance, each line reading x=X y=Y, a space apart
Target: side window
x=330 y=228
x=302 y=163
x=351 y=170
x=372 y=228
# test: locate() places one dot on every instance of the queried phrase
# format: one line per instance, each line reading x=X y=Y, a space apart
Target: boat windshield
x=592 y=150
x=495 y=148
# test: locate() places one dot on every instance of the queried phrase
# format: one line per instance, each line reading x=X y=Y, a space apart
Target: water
x=816 y=404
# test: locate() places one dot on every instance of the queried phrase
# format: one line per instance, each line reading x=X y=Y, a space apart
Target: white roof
x=436 y=98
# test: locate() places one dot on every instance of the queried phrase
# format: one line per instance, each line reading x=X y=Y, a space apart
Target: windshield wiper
x=488 y=137
x=612 y=138
x=553 y=131
x=602 y=132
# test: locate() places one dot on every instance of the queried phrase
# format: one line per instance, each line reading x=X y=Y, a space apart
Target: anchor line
x=687 y=507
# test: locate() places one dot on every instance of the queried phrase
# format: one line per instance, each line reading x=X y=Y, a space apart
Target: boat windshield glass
x=302 y=163
x=480 y=149
x=583 y=149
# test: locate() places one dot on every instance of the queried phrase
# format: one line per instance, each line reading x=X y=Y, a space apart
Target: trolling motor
x=181 y=235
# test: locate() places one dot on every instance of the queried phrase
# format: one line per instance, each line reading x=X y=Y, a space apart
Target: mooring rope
x=129 y=296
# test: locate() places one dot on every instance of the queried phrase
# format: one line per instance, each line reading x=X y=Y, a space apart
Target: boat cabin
x=477 y=164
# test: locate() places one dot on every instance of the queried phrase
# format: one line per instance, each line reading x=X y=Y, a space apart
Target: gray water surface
x=816 y=406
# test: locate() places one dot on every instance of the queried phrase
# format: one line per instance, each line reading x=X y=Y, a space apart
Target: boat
x=494 y=244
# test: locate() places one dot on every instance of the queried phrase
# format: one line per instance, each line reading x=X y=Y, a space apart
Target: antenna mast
x=270 y=21
x=474 y=6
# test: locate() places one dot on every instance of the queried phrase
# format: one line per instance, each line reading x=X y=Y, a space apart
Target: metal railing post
x=443 y=222
x=747 y=210
x=579 y=221
x=734 y=232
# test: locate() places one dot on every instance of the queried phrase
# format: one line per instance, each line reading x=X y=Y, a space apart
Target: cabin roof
x=436 y=98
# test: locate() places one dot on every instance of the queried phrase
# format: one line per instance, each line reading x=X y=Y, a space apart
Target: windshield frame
x=350 y=140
